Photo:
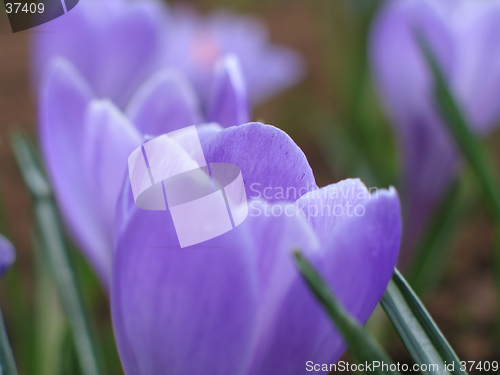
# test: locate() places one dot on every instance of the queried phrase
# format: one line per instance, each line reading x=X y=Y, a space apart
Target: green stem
x=468 y=143
x=415 y=326
x=7 y=363
x=54 y=250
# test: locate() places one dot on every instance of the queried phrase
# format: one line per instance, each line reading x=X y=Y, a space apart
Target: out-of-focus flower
x=464 y=36
x=195 y=43
x=86 y=140
x=7 y=255
x=117 y=44
x=236 y=303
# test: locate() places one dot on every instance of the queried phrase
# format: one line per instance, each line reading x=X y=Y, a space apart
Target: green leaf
x=7 y=363
x=361 y=345
x=462 y=131
x=51 y=322
x=470 y=146
x=415 y=326
x=55 y=252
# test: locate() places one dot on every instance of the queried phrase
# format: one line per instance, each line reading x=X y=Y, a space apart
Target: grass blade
x=410 y=331
x=462 y=131
x=54 y=250
x=361 y=345
x=7 y=363
x=470 y=146
x=417 y=329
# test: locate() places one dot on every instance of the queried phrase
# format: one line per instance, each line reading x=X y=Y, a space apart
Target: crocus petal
x=7 y=255
x=430 y=164
x=109 y=140
x=405 y=86
x=206 y=130
x=115 y=44
x=357 y=262
x=202 y=302
x=62 y=106
x=478 y=84
x=282 y=166
x=359 y=259
x=95 y=140
x=397 y=61
x=334 y=202
x=164 y=103
x=196 y=44
x=175 y=289
x=229 y=105
x=268 y=69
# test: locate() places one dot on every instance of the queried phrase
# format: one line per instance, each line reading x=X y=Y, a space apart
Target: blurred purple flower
x=236 y=303
x=196 y=42
x=7 y=255
x=86 y=140
x=117 y=44
x=464 y=36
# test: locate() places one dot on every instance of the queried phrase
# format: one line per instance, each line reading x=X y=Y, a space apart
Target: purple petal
x=206 y=130
x=281 y=166
x=267 y=68
x=196 y=310
x=115 y=44
x=399 y=67
x=405 y=86
x=164 y=103
x=7 y=255
x=357 y=262
x=62 y=106
x=202 y=294
x=197 y=43
x=478 y=82
x=83 y=142
x=336 y=202
x=109 y=139
x=229 y=106
x=430 y=164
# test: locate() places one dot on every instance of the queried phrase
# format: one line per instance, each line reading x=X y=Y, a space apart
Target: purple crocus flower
x=7 y=255
x=196 y=42
x=117 y=44
x=86 y=140
x=464 y=36
x=236 y=303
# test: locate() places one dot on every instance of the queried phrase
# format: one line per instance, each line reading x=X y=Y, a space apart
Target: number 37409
x=24 y=8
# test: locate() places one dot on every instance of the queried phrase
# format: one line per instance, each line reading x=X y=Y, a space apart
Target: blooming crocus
x=464 y=37
x=7 y=255
x=236 y=304
x=86 y=140
x=117 y=44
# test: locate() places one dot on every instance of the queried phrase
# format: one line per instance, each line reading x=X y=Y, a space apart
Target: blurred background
x=334 y=115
